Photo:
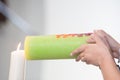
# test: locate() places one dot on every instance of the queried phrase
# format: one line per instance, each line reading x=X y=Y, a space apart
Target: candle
x=17 y=65
x=53 y=46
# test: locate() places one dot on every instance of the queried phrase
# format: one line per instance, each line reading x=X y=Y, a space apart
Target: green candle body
x=53 y=46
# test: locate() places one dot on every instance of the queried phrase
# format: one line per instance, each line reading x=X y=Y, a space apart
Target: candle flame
x=18 y=48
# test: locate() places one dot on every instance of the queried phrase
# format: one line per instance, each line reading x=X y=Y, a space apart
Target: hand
x=108 y=41
x=93 y=53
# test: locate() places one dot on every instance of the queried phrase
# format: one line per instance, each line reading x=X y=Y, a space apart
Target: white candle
x=17 y=65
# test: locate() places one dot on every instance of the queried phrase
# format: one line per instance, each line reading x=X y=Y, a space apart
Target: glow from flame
x=18 y=48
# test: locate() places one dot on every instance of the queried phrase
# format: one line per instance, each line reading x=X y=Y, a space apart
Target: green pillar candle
x=53 y=46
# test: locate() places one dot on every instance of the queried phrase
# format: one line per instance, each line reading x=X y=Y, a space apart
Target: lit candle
x=17 y=65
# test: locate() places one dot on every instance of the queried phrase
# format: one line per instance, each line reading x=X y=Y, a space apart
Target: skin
x=108 y=41
x=100 y=51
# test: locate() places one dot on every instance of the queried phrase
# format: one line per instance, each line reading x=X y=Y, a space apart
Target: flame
x=18 y=48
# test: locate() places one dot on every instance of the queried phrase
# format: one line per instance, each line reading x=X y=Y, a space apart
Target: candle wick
x=18 y=48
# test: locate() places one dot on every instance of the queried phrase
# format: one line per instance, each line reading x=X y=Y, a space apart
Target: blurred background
x=19 y=18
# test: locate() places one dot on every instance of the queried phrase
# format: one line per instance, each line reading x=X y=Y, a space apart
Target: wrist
x=106 y=60
x=107 y=63
x=109 y=69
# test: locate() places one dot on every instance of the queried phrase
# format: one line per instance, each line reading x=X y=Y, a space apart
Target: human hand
x=108 y=41
x=93 y=53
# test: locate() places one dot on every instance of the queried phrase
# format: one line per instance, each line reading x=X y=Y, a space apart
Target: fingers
x=78 y=50
x=80 y=57
x=102 y=38
x=91 y=39
x=83 y=59
x=102 y=35
x=97 y=38
x=99 y=34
